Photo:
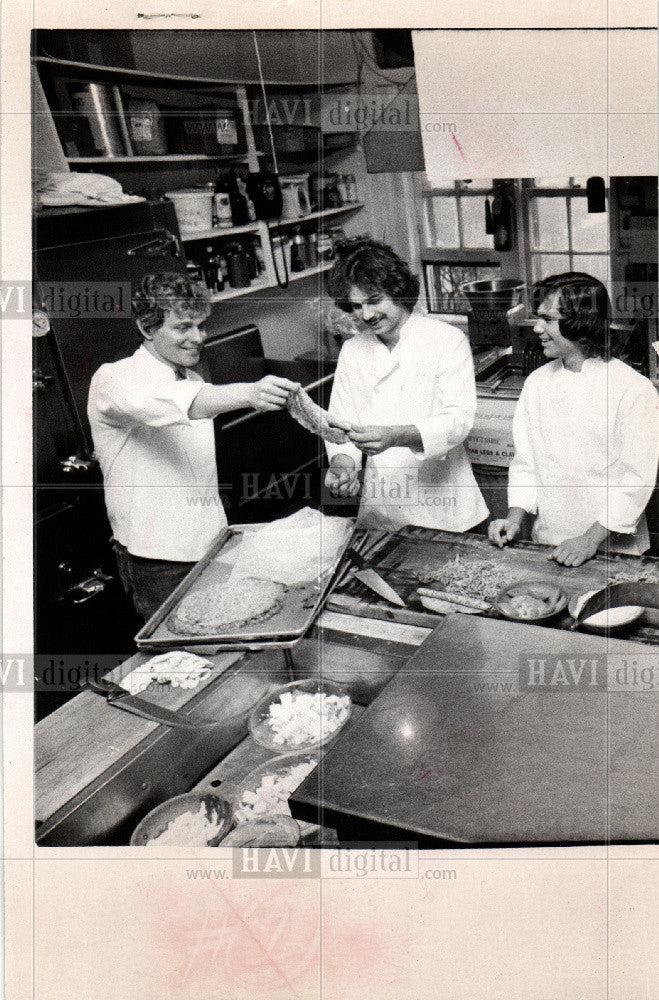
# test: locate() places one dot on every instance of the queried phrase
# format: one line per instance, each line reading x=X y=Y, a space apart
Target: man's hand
x=342 y=477
x=505 y=529
x=271 y=392
x=575 y=551
x=374 y=440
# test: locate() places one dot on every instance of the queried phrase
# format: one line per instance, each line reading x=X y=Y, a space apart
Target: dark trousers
x=148 y=582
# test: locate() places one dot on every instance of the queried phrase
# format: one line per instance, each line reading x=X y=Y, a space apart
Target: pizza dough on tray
x=226 y=606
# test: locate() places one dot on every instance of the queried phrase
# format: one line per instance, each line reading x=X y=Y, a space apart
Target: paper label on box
x=140 y=126
x=225 y=130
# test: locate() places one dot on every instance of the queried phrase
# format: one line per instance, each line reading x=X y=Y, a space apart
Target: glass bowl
x=279 y=768
x=157 y=821
x=261 y=728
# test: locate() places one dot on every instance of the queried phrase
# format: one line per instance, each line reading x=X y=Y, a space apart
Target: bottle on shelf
x=351 y=186
x=298 y=254
x=212 y=270
x=242 y=206
x=222 y=217
x=238 y=266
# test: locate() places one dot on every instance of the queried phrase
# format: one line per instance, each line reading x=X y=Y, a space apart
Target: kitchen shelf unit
x=157 y=164
x=162 y=158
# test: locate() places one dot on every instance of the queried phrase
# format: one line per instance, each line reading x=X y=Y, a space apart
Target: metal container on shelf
x=324 y=247
x=298 y=252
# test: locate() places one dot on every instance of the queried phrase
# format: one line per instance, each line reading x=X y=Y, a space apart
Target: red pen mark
x=460 y=149
x=426 y=774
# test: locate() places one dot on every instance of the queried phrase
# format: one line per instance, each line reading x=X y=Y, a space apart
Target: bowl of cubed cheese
x=300 y=716
x=264 y=793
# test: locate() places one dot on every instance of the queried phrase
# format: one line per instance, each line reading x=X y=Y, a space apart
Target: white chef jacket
x=426 y=380
x=586 y=449
x=158 y=465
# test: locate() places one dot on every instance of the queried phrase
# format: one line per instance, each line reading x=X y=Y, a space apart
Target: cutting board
x=457 y=747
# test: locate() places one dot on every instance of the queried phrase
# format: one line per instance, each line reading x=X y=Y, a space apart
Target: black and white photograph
x=344 y=510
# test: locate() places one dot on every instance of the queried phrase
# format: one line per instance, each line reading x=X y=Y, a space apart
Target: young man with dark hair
x=405 y=383
x=585 y=432
x=151 y=418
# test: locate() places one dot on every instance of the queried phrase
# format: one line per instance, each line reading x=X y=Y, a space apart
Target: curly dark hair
x=585 y=310
x=169 y=292
x=372 y=267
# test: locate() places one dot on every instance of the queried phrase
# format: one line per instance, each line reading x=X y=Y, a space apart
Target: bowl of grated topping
x=191 y=820
x=300 y=716
x=265 y=791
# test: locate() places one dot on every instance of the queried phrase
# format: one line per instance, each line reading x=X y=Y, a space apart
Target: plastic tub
x=280 y=769
x=194 y=209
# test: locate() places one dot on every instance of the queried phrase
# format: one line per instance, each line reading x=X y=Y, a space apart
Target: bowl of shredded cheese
x=264 y=793
x=300 y=716
x=192 y=820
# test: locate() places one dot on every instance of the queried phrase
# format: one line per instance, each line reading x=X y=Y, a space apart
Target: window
x=455 y=215
x=561 y=234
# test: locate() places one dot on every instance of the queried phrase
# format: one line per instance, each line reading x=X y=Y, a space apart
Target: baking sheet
x=301 y=603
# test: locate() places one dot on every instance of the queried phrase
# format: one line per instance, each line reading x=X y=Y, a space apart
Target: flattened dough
x=226 y=607
x=314 y=418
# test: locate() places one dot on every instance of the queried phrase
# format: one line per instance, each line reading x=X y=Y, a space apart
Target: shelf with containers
x=158 y=133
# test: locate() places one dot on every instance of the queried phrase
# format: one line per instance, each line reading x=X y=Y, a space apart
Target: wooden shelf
x=211 y=234
x=235 y=293
x=164 y=79
x=261 y=285
x=323 y=214
x=318 y=269
x=162 y=158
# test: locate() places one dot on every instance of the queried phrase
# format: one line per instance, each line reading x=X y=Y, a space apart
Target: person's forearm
x=516 y=515
x=597 y=533
x=407 y=436
x=214 y=399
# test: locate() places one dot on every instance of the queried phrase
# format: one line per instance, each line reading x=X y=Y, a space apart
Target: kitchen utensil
x=367 y=575
x=631 y=596
x=277 y=767
x=441 y=595
x=120 y=698
x=531 y=601
x=156 y=822
x=442 y=607
x=262 y=731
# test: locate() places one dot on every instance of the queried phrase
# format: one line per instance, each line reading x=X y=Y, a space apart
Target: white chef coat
x=586 y=449
x=426 y=380
x=158 y=465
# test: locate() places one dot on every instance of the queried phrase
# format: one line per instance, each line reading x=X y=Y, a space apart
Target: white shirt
x=158 y=465
x=586 y=448
x=426 y=380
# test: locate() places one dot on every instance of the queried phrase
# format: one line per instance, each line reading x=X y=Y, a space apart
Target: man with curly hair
x=151 y=418
x=585 y=432
x=405 y=383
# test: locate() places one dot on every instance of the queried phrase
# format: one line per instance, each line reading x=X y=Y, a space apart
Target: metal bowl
x=605 y=621
x=157 y=821
x=498 y=294
x=262 y=731
x=549 y=600
x=275 y=766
